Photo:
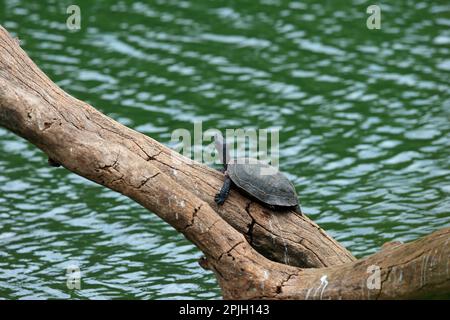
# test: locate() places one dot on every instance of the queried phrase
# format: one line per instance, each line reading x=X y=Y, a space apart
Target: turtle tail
x=298 y=209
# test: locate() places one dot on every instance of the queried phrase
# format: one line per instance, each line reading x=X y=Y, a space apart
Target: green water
x=363 y=118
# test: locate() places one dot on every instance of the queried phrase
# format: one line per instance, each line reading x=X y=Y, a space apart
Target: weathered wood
x=59 y=117
x=254 y=252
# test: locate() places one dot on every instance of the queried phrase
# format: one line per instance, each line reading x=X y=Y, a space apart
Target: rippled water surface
x=364 y=120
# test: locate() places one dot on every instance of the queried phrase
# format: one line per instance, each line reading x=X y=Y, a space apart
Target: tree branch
x=244 y=243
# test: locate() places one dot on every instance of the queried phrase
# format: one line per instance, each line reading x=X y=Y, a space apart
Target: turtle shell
x=263 y=182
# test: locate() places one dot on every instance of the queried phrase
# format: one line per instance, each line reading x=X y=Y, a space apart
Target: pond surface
x=363 y=118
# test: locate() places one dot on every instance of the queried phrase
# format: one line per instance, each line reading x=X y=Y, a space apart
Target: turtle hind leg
x=224 y=191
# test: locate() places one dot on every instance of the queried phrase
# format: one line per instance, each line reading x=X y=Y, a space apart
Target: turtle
x=256 y=179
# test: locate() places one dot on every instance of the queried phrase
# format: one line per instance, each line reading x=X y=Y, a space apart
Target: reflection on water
x=364 y=119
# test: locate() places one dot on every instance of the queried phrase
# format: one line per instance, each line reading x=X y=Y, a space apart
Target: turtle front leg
x=224 y=191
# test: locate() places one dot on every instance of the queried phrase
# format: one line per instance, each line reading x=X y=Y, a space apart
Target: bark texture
x=254 y=252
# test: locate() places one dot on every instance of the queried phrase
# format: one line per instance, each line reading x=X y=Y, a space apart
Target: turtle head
x=222 y=148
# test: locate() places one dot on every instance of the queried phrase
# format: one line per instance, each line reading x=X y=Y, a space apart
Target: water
x=364 y=119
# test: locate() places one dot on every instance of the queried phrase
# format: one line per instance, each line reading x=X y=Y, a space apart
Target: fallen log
x=254 y=252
